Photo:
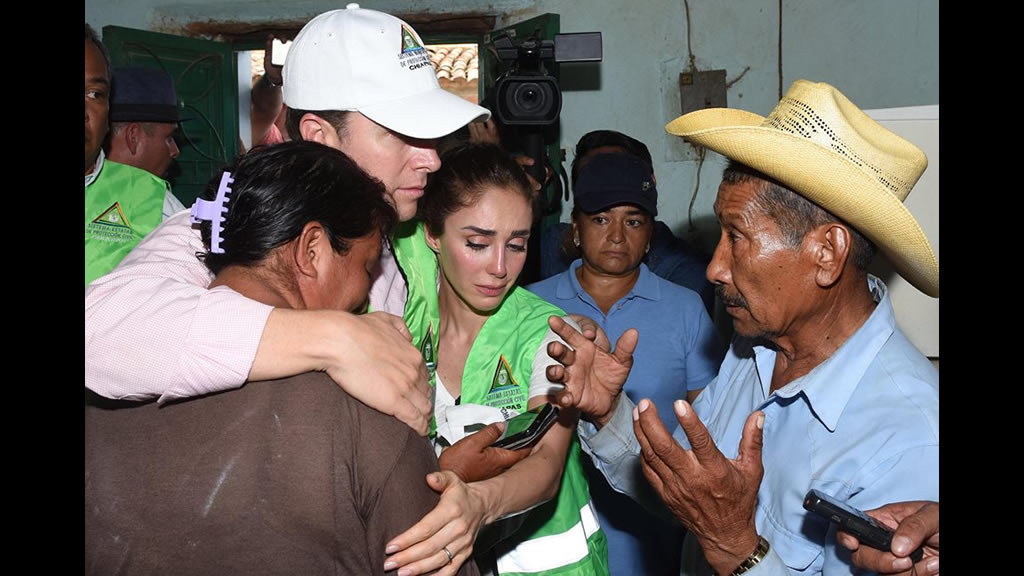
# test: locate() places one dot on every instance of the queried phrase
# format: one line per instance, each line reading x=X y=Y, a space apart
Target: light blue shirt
x=862 y=426
x=678 y=350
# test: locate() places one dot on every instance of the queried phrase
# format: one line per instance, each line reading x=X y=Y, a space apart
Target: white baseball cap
x=370 y=62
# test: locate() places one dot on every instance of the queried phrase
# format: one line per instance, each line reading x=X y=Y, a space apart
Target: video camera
x=526 y=95
x=527 y=100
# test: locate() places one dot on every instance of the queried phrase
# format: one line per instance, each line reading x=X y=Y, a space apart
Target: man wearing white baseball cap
x=359 y=81
x=384 y=74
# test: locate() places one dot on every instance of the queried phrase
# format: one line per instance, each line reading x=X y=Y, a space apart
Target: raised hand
x=593 y=377
x=714 y=497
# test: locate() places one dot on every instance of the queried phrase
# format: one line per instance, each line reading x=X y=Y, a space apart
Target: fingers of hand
x=567 y=332
x=423 y=386
x=413 y=419
x=749 y=457
x=659 y=450
x=449 y=525
x=701 y=444
x=393 y=321
x=555 y=373
x=442 y=522
x=441 y=481
x=490 y=433
x=847 y=541
x=660 y=476
x=916 y=529
x=878 y=561
x=625 y=346
x=412 y=404
x=561 y=353
x=565 y=399
x=653 y=478
x=429 y=555
x=586 y=324
x=506 y=458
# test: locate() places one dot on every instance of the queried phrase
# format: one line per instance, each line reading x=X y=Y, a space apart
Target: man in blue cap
x=143 y=119
x=122 y=203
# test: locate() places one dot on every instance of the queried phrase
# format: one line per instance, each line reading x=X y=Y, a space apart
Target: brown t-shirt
x=284 y=477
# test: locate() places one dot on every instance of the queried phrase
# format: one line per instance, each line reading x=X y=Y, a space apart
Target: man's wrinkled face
x=758 y=275
x=97 y=103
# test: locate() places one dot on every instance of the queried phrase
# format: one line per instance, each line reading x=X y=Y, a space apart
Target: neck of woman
x=606 y=289
x=459 y=326
x=459 y=321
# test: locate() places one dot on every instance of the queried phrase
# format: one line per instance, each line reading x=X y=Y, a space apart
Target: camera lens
x=529 y=97
x=527 y=100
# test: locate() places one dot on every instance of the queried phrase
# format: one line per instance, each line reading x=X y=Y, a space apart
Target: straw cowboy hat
x=820 y=145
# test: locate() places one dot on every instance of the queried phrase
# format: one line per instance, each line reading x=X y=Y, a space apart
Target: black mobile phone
x=525 y=429
x=865 y=528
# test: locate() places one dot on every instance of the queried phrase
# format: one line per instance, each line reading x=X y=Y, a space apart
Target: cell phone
x=278 y=51
x=526 y=429
x=865 y=528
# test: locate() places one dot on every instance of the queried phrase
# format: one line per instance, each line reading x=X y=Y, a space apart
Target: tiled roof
x=455 y=62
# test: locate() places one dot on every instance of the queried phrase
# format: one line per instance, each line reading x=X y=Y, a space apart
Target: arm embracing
x=152 y=329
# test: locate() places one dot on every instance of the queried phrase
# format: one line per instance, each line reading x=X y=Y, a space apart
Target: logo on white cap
x=413 y=55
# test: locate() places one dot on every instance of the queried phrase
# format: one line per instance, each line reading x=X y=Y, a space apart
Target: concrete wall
x=880 y=53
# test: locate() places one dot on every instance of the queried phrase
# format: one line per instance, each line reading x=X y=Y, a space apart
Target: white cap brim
x=428 y=115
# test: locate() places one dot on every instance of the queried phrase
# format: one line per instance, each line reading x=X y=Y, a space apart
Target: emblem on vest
x=427 y=350
x=505 y=393
x=111 y=225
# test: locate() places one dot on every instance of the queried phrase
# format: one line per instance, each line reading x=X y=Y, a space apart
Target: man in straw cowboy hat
x=820 y=388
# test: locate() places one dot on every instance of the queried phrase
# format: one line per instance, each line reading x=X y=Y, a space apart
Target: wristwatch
x=266 y=78
x=756 y=556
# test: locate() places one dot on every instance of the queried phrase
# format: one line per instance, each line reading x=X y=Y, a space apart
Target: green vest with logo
x=562 y=536
x=122 y=205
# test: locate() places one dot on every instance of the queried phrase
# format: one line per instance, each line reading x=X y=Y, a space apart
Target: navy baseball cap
x=611 y=179
x=143 y=95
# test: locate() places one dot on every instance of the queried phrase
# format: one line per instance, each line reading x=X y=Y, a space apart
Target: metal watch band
x=756 y=556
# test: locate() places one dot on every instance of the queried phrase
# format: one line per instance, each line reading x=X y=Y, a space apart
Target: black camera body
x=526 y=95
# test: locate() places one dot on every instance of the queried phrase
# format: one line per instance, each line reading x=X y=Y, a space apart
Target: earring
x=576 y=242
x=648 y=249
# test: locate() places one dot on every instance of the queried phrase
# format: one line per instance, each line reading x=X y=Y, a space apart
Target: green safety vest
x=562 y=536
x=122 y=205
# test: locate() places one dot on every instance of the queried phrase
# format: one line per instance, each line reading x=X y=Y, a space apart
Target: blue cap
x=608 y=180
x=143 y=95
